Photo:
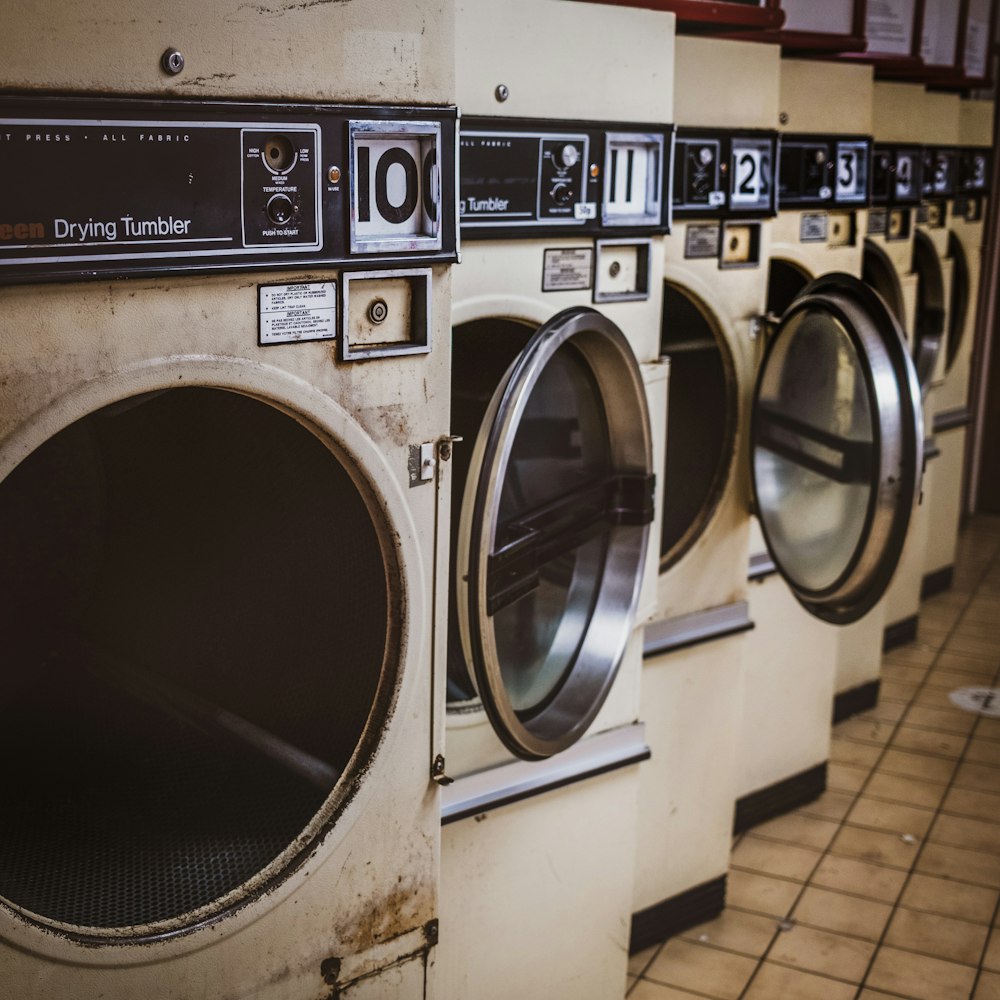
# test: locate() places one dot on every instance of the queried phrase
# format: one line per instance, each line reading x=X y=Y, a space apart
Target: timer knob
x=568 y=156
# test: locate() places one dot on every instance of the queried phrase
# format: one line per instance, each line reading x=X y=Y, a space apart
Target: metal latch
x=438 y=772
x=423 y=458
x=763 y=326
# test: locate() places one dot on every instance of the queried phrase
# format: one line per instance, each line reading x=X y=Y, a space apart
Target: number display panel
x=897 y=175
x=819 y=170
x=536 y=177
x=939 y=171
x=719 y=173
x=187 y=186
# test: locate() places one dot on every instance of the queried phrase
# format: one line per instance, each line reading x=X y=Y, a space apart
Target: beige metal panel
x=826 y=97
x=366 y=50
x=975 y=123
x=859 y=651
x=945 y=503
x=902 y=599
x=789 y=669
x=526 y=891
x=907 y=112
x=954 y=392
x=692 y=705
x=67 y=350
x=726 y=84
x=559 y=59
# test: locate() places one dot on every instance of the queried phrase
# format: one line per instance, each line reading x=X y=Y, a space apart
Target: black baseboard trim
x=779 y=798
x=677 y=914
x=855 y=700
x=899 y=633
x=937 y=582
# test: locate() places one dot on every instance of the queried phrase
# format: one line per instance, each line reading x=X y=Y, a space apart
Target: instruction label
x=701 y=242
x=568 y=270
x=813 y=228
x=291 y=313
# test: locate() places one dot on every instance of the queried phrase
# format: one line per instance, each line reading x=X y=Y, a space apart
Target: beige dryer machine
x=799 y=666
x=557 y=388
x=219 y=542
x=952 y=414
x=726 y=95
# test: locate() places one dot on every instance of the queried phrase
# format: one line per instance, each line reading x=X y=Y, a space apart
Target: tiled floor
x=889 y=884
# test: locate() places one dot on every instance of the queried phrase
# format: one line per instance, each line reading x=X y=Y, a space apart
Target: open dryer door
x=928 y=339
x=836 y=436
x=553 y=532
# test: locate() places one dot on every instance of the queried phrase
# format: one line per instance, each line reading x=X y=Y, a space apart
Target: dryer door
x=554 y=530
x=930 y=326
x=835 y=437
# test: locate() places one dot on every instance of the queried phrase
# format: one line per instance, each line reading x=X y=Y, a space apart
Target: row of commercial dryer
x=382 y=628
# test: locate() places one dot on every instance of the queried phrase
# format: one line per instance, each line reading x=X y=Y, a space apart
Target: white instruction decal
x=568 y=270
x=291 y=313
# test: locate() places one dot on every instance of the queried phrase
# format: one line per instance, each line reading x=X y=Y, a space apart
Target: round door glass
x=184 y=682
x=959 y=304
x=560 y=449
x=814 y=450
x=550 y=516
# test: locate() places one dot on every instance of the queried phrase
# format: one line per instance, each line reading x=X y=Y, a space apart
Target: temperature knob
x=568 y=156
x=280 y=209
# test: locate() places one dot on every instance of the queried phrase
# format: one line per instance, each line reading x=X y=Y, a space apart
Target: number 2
x=746 y=185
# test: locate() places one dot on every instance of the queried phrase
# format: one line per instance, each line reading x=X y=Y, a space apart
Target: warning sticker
x=701 y=242
x=290 y=313
x=568 y=270
x=812 y=228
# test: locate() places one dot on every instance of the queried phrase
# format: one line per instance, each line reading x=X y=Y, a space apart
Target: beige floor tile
x=917 y=765
x=777 y=982
x=890 y=711
x=831 y=804
x=991 y=960
x=938 y=936
x=905 y=672
x=983 y=751
x=977 y=776
x=845 y=777
x=746 y=933
x=988 y=728
x=920 y=976
x=960 y=864
x=639 y=961
x=952 y=899
x=877 y=995
x=823 y=952
x=907 y=791
x=947 y=720
x=897 y=690
x=961 y=643
x=890 y=816
x=855 y=753
x=693 y=966
x=950 y=678
x=982 y=668
x=978 y=805
x=960 y=831
x=833 y=911
x=799 y=828
x=911 y=656
x=988 y=987
x=859 y=878
x=646 y=990
x=875 y=846
x=761 y=893
x=928 y=741
x=864 y=729
x=771 y=857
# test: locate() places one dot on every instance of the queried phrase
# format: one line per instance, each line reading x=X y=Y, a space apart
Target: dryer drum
x=184 y=681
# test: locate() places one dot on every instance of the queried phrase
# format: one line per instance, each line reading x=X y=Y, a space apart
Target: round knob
x=280 y=209
x=561 y=194
x=568 y=156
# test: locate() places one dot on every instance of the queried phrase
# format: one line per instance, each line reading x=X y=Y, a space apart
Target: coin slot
x=740 y=246
x=385 y=314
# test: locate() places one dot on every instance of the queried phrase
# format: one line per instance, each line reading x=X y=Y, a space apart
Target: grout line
x=937 y=812
x=986 y=945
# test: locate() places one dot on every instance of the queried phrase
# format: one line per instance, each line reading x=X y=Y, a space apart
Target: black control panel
x=721 y=173
x=975 y=166
x=939 y=171
x=125 y=187
x=896 y=174
x=535 y=177
x=823 y=171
